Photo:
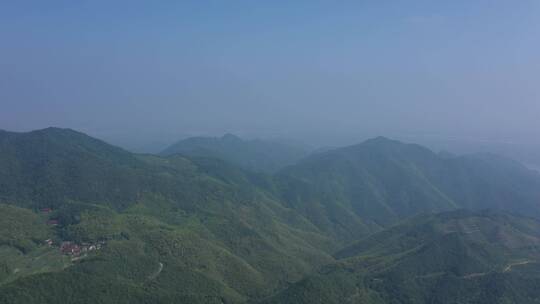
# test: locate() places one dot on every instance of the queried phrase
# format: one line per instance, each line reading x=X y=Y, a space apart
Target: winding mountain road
x=509 y=267
x=156 y=274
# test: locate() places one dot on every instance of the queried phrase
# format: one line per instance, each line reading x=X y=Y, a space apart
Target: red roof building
x=70 y=248
x=53 y=222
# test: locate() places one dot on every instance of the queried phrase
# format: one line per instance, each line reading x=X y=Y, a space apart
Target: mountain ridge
x=381 y=181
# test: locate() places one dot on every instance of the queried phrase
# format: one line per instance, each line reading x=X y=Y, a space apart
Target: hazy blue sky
x=326 y=71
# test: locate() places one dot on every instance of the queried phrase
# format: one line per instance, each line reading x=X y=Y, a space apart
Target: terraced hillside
x=455 y=257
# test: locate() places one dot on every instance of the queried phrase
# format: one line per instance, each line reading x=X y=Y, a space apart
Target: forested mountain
x=218 y=237
x=365 y=187
x=454 y=257
x=198 y=229
x=255 y=155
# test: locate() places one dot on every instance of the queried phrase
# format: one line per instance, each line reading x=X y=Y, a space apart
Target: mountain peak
x=254 y=155
x=48 y=130
x=231 y=137
x=380 y=140
x=56 y=130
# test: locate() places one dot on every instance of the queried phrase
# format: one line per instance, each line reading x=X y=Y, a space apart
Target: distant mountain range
x=256 y=155
x=224 y=220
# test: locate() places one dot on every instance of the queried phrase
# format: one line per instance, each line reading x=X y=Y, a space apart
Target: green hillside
x=456 y=257
x=22 y=245
x=201 y=218
x=255 y=155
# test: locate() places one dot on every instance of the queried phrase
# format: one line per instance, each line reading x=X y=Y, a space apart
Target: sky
x=324 y=72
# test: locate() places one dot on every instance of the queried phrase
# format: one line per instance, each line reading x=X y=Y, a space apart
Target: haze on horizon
x=326 y=73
